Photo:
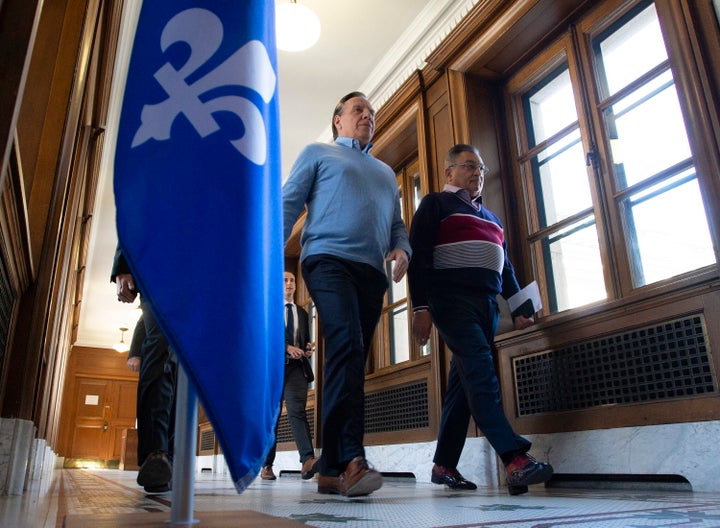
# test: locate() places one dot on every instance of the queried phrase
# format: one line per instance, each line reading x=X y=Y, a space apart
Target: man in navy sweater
x=352 y=230
x=460 y=264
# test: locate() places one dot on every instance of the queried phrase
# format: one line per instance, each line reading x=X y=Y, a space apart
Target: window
x=565 y=213
x=394 y=328
x=613 y=198
x=659 y=196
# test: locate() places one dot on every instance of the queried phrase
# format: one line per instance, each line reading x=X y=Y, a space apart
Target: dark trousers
x=156 y=391
x=467 y=324
x=348 y=297
x=295 y=391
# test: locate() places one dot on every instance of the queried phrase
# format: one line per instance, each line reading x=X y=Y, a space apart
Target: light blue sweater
x=352 y=200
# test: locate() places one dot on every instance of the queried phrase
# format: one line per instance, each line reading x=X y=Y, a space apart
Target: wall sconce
x=121 y=346
x=297 y=27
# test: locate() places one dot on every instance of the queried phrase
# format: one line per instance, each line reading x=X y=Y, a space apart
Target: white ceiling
x=367 y=45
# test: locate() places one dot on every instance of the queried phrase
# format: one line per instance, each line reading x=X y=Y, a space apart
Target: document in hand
x=526 y=302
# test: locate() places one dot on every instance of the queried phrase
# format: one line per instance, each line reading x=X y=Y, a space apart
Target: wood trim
x=696 y=69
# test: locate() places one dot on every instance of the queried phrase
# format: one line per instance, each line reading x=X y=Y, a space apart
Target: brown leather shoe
x=359 y=478
x=309 y=468
x=267 y=473
x=329 y=485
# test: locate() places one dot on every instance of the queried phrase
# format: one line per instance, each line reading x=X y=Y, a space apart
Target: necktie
x=290 y=322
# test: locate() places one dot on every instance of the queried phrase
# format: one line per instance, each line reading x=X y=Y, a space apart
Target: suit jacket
x=303 y=338
x=120 y=265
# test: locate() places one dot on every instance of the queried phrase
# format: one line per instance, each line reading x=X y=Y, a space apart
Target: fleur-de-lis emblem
x=249 y=67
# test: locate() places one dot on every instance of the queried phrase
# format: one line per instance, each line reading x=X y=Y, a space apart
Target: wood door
x=103 y=408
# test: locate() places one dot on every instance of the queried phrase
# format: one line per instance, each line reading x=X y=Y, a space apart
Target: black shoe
x=524 y=471
x=156 y=470
x=158 y=489
x=451 y=478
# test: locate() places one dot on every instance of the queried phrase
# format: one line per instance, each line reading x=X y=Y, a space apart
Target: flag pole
x=183 y=480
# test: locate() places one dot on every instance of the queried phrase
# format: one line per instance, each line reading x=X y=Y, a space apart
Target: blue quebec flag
x=197 y=190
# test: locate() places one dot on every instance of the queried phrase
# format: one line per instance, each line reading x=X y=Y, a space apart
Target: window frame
x=575 y=49
x=383 y=344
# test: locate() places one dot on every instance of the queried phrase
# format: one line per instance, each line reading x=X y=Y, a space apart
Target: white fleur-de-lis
x=249 y=67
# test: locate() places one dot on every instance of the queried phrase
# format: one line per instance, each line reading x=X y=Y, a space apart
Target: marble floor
x=402 y=502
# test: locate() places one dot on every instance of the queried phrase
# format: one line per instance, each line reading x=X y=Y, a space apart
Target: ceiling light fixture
x=297 y=27
x=121 y=346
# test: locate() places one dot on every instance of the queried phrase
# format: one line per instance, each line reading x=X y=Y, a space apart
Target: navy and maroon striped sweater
x=457 y=246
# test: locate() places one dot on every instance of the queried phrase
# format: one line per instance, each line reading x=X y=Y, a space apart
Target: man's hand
x=421 y=326
x=309 y=349
x=126 y=291
x=521 y=322
x=295 y=352
x=401 y=263
x=133 y=363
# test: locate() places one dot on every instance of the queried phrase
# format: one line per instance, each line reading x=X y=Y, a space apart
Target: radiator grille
x=284 y=433
x=397 y=409
x=207 y=441
x=653 y=363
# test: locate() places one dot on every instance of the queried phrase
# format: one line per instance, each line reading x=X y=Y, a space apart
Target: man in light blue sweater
x=353 y=231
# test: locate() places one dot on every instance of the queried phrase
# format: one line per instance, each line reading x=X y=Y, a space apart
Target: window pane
x=562 y=185
x=400 y=350
x=312 y=313
x=397 y=290
x=574 y=270
x=671 y=231
x=647 y=131
x=417 y=190
x=632 y=50
x=551 y=107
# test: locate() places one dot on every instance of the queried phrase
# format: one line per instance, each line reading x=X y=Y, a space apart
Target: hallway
x=110 y=495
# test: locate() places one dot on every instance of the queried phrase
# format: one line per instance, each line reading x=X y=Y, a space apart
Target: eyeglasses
x=472 y=167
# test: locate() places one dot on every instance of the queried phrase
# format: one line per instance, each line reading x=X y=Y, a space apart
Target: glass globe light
x=297 y=27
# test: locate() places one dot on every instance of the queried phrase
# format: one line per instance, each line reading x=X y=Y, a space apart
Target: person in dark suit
x=298 y=374
x=156 y=389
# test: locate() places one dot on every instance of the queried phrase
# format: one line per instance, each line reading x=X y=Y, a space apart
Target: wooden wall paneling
x=459 y=106
x=397 y=141
x=555 y=333
x=66 y=214
x=42 y=193
x=497 y=36
x=398 y=375
x=14 y=227
x=398 y=103
x=440 y=131
x=461 y=47
x=94 y=363
x=124 y=414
